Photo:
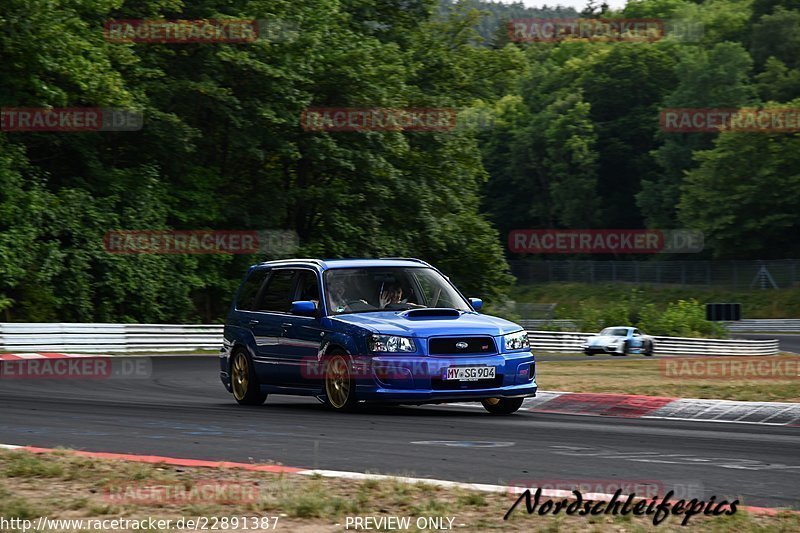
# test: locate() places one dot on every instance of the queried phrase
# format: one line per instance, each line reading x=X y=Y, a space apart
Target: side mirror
x=304 y=307
x=477 y=303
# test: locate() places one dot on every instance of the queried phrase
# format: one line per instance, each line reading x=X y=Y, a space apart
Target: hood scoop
x=434 y=312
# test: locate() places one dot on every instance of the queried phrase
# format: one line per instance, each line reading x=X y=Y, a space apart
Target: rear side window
x=277 y=295
x=249 y=291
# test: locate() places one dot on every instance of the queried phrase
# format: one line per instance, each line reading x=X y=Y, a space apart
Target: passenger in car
x=338 y=301
x=340 y=291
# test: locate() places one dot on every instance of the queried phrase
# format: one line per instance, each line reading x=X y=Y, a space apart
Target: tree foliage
x=573 y=142
x=222 y=148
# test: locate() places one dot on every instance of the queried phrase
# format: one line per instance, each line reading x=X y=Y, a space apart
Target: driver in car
x=391 y=297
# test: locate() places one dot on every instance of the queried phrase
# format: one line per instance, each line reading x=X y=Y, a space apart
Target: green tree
x=744 y=195
x=777 y=82
x=777 y=35
x=716 y=78
x=624 y=87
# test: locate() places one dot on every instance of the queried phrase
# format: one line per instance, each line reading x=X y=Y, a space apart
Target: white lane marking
x=675 y=458
x=680 y=404
x=465 y=443
x=700 y=414
x=482 y=487
x=716 y=421
x=381 y=477
x=764 y=421
x=49 y=355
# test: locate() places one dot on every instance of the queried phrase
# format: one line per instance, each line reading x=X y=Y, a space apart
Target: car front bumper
x=599 y=348
x=421 y=378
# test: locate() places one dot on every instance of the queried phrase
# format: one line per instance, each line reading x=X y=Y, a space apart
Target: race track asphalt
x=182 y=410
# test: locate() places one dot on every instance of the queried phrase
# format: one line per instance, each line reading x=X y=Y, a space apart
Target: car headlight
x=517 y=341
x=391 y=343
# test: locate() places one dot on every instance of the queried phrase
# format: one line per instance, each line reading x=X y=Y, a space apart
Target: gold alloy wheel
x=240 y=376
x=337 y=382
x=492 y=401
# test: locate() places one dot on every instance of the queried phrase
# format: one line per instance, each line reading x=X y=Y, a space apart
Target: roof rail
x=297 y=260
x=408 y=259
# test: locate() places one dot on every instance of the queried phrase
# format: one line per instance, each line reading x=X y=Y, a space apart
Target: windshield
x=615 y=332
x=361 y=290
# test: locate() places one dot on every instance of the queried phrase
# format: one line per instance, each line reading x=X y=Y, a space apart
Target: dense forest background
x=574 y=142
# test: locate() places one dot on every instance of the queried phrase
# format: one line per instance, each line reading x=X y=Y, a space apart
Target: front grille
x=440 y=384
x=448 y=346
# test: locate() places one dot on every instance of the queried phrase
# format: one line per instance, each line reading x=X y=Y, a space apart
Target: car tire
x=625 y=348
x=338 y=383
x=244 y=383
x=588 y=352
x=502 y=406
x=648 y=349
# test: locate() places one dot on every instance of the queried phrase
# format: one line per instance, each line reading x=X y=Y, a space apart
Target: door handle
x=285 y=326
x=253 y=322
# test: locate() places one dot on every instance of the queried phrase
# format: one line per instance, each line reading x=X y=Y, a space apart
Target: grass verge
x=649 y=377
x=65 y=486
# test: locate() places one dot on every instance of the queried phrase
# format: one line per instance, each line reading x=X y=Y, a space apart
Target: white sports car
x=619 y=340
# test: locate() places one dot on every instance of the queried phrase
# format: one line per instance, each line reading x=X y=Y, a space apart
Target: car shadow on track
x=386 y=410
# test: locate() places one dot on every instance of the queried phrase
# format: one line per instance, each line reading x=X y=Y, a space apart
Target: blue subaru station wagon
x=349 y=331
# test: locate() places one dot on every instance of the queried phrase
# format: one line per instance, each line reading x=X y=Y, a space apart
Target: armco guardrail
x=754 y=325
x=536 y=323
x=557 y=341
x=750 y=325
x=95 y=338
